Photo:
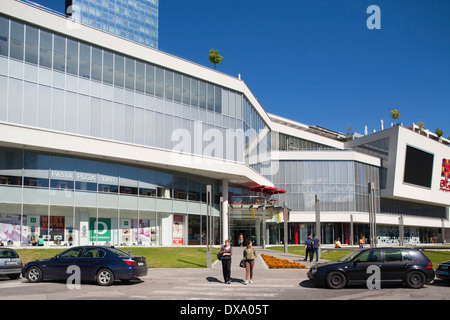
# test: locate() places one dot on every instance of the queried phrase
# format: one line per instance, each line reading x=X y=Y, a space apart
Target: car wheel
x=105 y=277
x=336 y=280
x=415 y=279
x=34 y=274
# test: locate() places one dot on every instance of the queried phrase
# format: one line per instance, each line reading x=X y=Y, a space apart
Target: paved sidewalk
x=261 y=273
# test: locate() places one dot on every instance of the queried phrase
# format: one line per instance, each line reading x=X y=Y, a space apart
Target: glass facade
x=138 y=203
x=341 y=185
x=135 y=20
x=80 y=88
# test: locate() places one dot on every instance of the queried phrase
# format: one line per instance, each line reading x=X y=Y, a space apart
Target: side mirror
x=57 y=257
x=356 y=261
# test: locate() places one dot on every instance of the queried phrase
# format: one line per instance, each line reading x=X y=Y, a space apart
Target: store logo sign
x=445 y=175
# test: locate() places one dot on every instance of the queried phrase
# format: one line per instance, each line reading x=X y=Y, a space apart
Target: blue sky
x=316 y=62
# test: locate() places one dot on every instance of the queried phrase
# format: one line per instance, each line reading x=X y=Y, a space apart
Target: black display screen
x=418 y=167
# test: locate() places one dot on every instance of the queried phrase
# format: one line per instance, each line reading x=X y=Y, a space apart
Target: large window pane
x=218 y=100
x=59 y=53
x=16 y=44
x=86 y=175
x=194 y=93
x=108 y=67
x=202 y=95
x=164 y=181
x=159 y=90
x=128 y=180
x=147 y=182
x=210 y=97
x=108 y=177
x=62 y=173
x=129 y=75
x=31 y=44
x=96 y=64
x=186 y=89
x=36 y=170
x=11 y=164
x=118 y=70
x=4 y=36
x=149 y=79
x=168 y=81
x=140 y=76
x=85 y=60
x=45 y=49
x=177 y=87
x=72 y=57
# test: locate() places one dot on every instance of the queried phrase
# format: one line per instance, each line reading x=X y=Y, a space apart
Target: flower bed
x=276 y=263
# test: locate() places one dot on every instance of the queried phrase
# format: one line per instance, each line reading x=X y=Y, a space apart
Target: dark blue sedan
x=95 y=263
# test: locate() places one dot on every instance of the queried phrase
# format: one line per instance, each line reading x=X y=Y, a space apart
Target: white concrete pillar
x=225 y=220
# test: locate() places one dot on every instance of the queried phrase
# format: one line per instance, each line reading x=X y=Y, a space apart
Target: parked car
x=96 y=263
x=443 y=270
x=397 y=265
x=10 y=263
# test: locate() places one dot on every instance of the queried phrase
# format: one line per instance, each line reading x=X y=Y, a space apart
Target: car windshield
x=350 y=256
x=119 y=252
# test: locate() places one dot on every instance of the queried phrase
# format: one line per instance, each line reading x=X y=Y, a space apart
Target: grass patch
x=157 y=257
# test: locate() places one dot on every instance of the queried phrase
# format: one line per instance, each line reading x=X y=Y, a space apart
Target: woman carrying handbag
x=249 y=258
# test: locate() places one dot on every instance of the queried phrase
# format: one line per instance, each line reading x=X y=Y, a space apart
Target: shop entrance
x=248 y=231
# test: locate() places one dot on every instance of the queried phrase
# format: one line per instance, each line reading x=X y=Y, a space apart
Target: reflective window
x=96 y=64
x=177 y=87
x=86 y=175
x=72 y=57
x=45 y=49
x=16 y=43
x=62 y=173
x=36 y=170
x=108 y=181
x=147 y=182
x=31 y=44
x=4 y=36
x=159 y=89
x=140 y=76
x=128 y=180
x=108 y=67
x=129 y=73
x=85 y=61
x=59 y=53
x=149 y=79
x=11 y=164
x=168 y=80
x=118 y=70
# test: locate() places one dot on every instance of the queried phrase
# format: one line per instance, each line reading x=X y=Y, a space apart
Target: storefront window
x=36 y=170
x=11 y=164
x=108 y=179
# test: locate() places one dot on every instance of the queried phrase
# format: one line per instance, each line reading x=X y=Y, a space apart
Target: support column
x=225 y=219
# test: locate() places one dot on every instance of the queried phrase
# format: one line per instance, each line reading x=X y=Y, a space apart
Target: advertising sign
x=177 y=230
x=100 y=231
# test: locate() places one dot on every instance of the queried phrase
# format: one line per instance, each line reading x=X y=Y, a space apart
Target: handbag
x=242 y=263
x=219 y=256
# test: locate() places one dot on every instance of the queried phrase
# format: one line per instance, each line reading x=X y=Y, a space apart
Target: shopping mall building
x=103 y=140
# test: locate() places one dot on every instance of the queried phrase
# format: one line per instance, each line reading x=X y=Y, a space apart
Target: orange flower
x=276 y=263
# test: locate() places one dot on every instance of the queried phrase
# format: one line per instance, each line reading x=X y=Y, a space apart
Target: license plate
x=8 y=263
x=443 y=273
x=140 y=263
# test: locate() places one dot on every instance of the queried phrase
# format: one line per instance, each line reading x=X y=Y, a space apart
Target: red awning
x=267 y=189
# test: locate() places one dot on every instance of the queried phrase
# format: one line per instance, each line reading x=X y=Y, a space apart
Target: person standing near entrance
x=249 y=258
x=315 y=248
x=308 y=248
x=226 y=252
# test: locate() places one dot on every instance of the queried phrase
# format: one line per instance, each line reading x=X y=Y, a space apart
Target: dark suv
x=396 y=265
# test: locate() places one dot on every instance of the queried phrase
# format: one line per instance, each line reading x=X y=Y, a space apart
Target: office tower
x=135 y=20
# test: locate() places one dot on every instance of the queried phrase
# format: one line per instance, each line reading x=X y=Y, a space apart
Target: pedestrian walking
x=361 y=242
x=315 y=248
x=226 y=252
x=308 y=248
x=249 y=258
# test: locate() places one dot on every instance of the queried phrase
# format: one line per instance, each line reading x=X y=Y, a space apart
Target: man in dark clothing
x=315 y=248
x=308 y=248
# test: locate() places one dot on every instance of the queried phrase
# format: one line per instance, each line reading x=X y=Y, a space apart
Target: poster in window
x=177 y=233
